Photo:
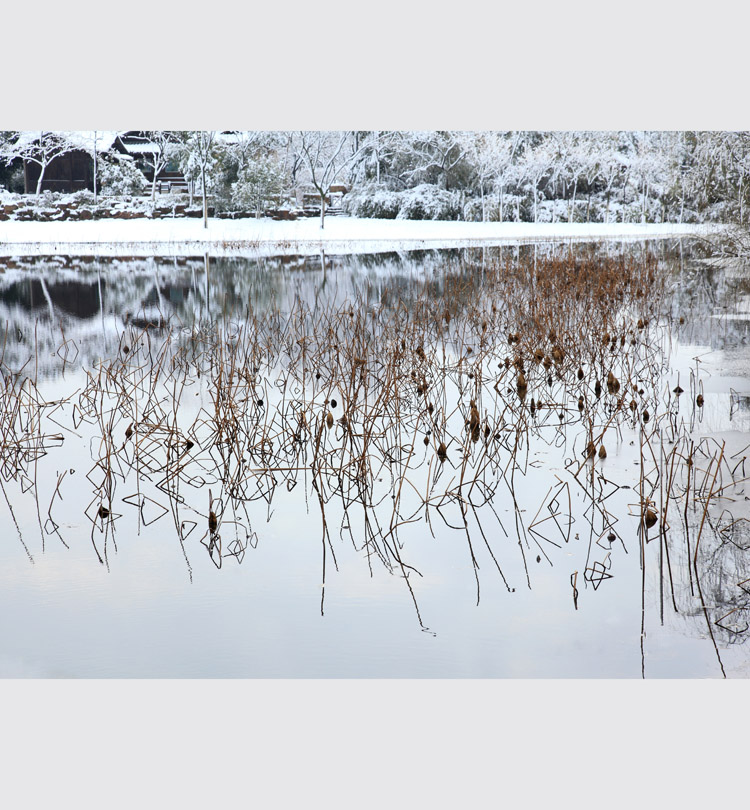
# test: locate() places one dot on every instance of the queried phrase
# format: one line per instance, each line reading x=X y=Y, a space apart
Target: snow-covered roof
x=141 y=147
x=79 y=139
x=85 y=139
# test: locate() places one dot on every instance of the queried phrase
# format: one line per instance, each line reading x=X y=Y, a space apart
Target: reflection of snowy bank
x=182 y=237
x=84 y=303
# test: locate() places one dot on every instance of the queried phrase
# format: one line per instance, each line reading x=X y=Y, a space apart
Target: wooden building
x=74 y=170
x=140 y=147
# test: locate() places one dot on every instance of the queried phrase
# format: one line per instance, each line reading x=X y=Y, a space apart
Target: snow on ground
x=340 y=235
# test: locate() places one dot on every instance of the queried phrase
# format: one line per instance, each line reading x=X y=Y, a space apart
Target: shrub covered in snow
x=119 y=176
x=429 y=202
x=82 y=197
x=372 y=201
x=421 y=202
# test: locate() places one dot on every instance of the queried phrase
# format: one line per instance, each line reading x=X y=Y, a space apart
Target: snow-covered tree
x=716 y=168
x=488 y=155
x=199 y=159
x=119 y=175
x=325 y=156
x=241 y=147
x=432 y=157
x=159 y=147
x=7 y=172
x=537 y=163
x=237 y=150
x=40 y=148
x=260 y=182
x=609 y=165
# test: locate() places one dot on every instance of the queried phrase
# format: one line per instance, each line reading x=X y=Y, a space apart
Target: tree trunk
x=42 y=167
x=96 y=193
x=322 y=210
x=377 y=157
x=205 y=199
x=682 y=198
x=741 y=200
x=572 y=215
x=153 y=186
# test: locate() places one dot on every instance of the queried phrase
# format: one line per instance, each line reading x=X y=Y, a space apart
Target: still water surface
x=161 y=605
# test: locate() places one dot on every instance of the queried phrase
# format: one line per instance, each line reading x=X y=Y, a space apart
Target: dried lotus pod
x=613 y=384
x=474 y=417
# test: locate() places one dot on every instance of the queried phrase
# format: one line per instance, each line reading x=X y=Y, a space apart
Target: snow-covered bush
x=429 y=202
x=383 y=204
x=120 y=177
x=372 y=201
x=83 y=197
x=422 y=202
x=259 y=185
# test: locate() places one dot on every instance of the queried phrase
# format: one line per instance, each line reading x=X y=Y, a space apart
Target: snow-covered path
x=341 y=235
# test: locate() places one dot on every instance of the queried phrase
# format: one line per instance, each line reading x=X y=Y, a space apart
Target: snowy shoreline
x=186 y=237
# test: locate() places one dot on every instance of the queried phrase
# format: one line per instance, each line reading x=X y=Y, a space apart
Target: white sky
x=578 y=65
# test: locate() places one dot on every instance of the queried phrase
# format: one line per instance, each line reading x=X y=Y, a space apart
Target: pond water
x=308 y=467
